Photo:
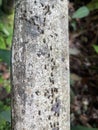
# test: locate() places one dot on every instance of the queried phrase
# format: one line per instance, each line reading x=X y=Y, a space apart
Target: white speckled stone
x=40 y=66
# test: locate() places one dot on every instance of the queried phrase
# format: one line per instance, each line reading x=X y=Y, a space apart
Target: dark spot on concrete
x=52 y=90
x=51 y=48
x=47 y=8
x=57 y=123
x=51 y=80
x=42 y=31
x=51 y=74
x=39 y=112
x=51 y=125
x=45 y=67
x=21 y=91
x=51 y=59
x=37 y=93
x=54 y=63
x=52 y=95
x=56 y=107
x=44 y=21
x=48 y=97
x=38 y=54
x=31 y=12
x=23 y=111
x=48 y=55
x=56 y=90
x=51 y=35
x=45 y=94
x=54 y=124
x=44 y=40
x=52 y=6
x=52 y=102
x=55 y=128
x=56 y=34
x=49 y=117
x=35 y=2
x=52 y=67
x=42 y=4
x=63 y=59
x=66 y=68
x=25 y=11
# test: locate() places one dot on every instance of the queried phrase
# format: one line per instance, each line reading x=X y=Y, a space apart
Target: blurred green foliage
x=5 y=115
x=83 y=11
x=95 y=48
x=83 y=128
x=6 y=31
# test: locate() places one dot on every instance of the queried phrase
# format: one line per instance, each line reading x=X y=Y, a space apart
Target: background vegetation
x=83 y=36
x=6 y=31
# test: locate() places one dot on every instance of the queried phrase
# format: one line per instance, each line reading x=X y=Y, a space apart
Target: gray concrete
x=40 y=66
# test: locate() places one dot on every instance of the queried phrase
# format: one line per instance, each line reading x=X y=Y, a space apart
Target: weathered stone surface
x=40 y=66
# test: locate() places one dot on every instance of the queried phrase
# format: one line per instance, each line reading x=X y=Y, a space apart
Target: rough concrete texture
x=40 y=66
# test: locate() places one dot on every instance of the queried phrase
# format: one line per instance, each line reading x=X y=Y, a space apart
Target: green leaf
x=5 y=56
x=9 y=40
x=95 y=48
x=1 y=26
x=82 y=128
x=6 y=115
x=2 y=43
x=93 y=5
x=81 y=12
x=73 y=24
x=4 y=30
